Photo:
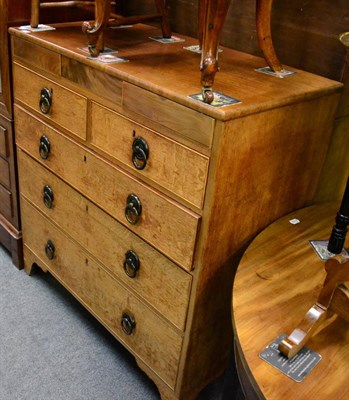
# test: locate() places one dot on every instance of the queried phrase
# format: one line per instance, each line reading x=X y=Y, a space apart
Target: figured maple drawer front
x=169 y=227
x=4 y=150
x=4 y=173
x=164 y=161
x=54 y=102
x=6 y=202
x=156 y=279
x=145 y=334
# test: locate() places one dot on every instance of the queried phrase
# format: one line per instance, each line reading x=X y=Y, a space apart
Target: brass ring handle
x=44 y=147
x=50 y=250
x=48 y=196
x=133 y=209
x=45 y=100
x=128 y=323
x=140 y=153
x=131 y=264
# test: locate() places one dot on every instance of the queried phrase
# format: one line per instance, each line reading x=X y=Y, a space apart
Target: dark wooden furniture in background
x=52 y=7
x=10 y=229
x=305 y=36
x=279 y=277
x=52 y=11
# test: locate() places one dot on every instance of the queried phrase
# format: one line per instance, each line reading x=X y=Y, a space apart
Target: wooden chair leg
x=165 y=25
x=34 y=18
x=263 y=22
x=95 y=33
x=212 y=15
x=201 y=19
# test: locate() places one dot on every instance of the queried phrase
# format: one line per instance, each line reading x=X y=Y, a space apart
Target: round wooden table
x=277 y=281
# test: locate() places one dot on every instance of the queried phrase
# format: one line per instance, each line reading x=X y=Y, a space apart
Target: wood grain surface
x=68 y=109
x=158 y=281
x=159 y=68
x=177 y=168
x=103 y=296
x=278 y=280
x=108 y=187
x=305 y=36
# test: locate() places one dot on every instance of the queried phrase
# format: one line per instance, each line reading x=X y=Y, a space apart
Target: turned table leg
x=263 y=22
x=212 y=15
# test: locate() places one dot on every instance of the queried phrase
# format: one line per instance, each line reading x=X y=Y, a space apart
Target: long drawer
x=153 y=276
x=165 y=224
x=145 y=334
x=175 y=167
x=67 y=108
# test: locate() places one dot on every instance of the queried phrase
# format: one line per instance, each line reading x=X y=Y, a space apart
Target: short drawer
x=68 y=109
x=165 y=224
x=5 y=173
x=4 y=149
x=6 y=203
x=36 y=55
x=156 y=279
x=175 y=167
x=147 y=336
x=188 y=123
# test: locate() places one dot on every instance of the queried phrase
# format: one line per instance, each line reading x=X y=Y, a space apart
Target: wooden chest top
x=168 y=70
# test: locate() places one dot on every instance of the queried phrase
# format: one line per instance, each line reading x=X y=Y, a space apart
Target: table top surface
x=278 y=280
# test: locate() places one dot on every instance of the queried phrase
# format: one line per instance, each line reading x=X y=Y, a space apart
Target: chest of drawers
x=140 y=200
